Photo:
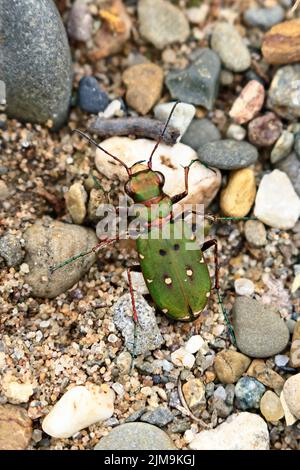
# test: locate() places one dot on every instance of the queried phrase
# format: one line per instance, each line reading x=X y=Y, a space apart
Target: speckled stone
x=136 y=436
x=248 y=392
x=259 y=329
x=36 y=65
x=283 y=95
x=228 y=154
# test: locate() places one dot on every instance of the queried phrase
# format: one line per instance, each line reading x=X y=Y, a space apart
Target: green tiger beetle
x=178 y=279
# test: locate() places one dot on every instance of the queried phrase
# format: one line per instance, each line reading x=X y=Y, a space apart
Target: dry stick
x=186 y=409
x=138 y=126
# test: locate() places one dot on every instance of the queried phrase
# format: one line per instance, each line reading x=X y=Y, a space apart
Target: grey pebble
x=200 y=132
x=248 y=392
x=11 y=250
x=259 y=329
x=160 y=416
x=297 y=144
x=197 y=84
x=228 y=44
x=255 y=233
x=36 y=61
x=264 y=18
x=148 y=336
x=136 y=436
x=228 y=154
x=283 y=95
x=291 y=166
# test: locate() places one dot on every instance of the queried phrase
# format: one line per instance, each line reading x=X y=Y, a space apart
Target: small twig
x=186 y=408
x=138 y=126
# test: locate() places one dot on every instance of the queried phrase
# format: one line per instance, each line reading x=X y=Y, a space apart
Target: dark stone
x=264 y=18
x=35 y=61
x=291 y=166
x=228 y=154
x=200 y=132
x=91 y=98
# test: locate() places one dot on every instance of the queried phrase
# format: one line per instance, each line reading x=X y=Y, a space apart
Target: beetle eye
x=161 y=178
x=127 y=189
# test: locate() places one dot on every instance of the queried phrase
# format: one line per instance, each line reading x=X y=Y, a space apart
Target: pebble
x=244 y=286
x=197 y=15
x=283 y=95
x=283 y=146
x=97 y=197
x=271 y=407
x=243 y=431
x=182 y=358
x=15 y=428
x=264 y=18
x=259 y=329
x=15 y=391
x=229 y=45
x=263 y=131
x=91 y=98
x=255 y=233
x=228 y=154
x=148 y=336
x=248 y=392
x=198 y=83
x=203 y=183
x=290 y=419
x=230 y=365
x=48 y=243
x=80 y=22
x=78 y=408
x=238 y=196
x=124 y=361
x=136 y=436
x=138 y=282
x=144 y=84
x=281 y=44
x=295 y=347
x=265 y=375
x=291 y=392
x=160 y=416
x=11 y=250
x=249 y=102
x=276 y=203
x=297 y=145
x=291 y=166
x=4 y=191
x=39 y=78
x=162 y=23
x=194 y=393
x=181 y=118
x=281 y=360
x=76 y=199
x=236 y=132
x=200 y=132
x=196 y=343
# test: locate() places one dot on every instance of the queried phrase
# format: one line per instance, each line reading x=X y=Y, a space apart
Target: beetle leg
x=182 y=195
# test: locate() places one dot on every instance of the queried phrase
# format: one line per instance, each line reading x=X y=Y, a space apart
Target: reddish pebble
x=248 y=103
x=264 y=130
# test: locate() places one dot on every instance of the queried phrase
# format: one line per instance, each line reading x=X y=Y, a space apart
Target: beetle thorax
x=146 y=186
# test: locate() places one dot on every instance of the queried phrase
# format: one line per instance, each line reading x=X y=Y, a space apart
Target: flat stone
x=291 y=166
x=281 y=44
x=248 y=392
x=200 y=132
x=228 y=44
x=291 y=392
x=248 y=103
x=144 y=84
x=162 y=23
x=271 y=407
x=283 y=95
x=49 y=243
x=230 y=365
x=259 y=329
x=136 y=436
x=228 y=154
x=36 y=65
x=15 y=428
x=238 y=196
x=264 y=18
x=197 y=84
x=160 y=416
x=277 y=203
x=203 y=183
x=243 y=431
x=147 y=336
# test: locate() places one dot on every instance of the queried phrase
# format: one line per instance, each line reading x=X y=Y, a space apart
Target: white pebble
x=244 y=286
x=281 y=360
x=236 y=132
x=195 y=343
x=15 y=391
x=183 y=358
x=181 y=118
x=197 y=15
x=220 y=393
x=113 y=109
x=79 y=408
x=24 y=268
x=277 y=203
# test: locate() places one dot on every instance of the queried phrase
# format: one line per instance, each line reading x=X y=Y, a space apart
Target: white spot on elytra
x=141 y=256
x=207 y=294
x=168 y=281
x=165 y=310
x=149 y=281
x=201 y=260
x=189 y=272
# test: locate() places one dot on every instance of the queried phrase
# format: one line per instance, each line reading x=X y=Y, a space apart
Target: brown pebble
x=248 y=103
x=265 y=375
x=230 y=365
x=15 y=428
x=144 y=86
x=263 y=131
x=238 y=197
x=281 y=45
x=295 y=347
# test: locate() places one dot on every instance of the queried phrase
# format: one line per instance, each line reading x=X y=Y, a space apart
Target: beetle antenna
x=160 y=138
x=89 y=139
